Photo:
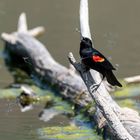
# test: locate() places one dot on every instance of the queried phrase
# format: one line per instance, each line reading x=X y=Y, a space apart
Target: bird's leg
x=85 y=72
x=86 y=78
x=94 y=87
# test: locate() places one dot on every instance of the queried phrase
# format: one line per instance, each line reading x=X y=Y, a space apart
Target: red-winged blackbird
x=93 y=59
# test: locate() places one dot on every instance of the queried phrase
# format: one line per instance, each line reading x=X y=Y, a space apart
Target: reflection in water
x=48 y=114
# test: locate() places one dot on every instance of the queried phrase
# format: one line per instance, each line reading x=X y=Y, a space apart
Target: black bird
x=93 y=59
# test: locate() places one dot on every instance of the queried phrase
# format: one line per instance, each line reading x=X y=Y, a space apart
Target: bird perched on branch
x=93 y=59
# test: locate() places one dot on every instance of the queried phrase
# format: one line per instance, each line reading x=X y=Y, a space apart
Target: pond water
x=42 y=124
x=16 y=125
x=114 y=26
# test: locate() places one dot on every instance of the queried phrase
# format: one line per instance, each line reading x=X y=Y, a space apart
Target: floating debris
x=27 y=98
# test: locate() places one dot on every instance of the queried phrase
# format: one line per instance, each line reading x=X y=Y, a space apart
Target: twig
x=22 y=23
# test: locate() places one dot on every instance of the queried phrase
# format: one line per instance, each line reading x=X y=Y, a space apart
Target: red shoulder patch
x=97 y=58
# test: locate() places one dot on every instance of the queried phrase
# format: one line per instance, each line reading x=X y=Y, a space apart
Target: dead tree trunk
x=26 y=50
x=102 y=103
x=112 y=119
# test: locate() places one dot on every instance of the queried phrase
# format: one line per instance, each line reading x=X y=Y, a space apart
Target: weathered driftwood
x=35 y=59
x=132 y=80
x=25 y=50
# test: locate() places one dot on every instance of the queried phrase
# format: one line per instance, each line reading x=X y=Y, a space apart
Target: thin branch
x=84 y=19
x=132 y=80
x=22 y=23
x=22 y=28
x=35 y=32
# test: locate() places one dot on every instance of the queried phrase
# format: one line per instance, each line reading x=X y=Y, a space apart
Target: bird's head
x=86 y=43
x=85 y=47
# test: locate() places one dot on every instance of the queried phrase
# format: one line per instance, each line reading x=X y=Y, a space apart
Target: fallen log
x=31 y=56
x=25 y=52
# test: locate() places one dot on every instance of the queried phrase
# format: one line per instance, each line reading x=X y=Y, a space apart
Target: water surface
x=16 y=125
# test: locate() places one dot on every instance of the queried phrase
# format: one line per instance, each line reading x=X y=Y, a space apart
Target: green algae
x=126 y=91
x=128 y=96
x=124 y=97
x=70 y=132
x=127 y=103
x=9 y=93
x=14 y=92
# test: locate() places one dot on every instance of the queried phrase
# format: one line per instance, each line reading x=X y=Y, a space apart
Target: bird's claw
x=94 y=87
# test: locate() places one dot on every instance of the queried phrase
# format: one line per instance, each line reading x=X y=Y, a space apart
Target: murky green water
x=116 y=32
x=53 y=122
x=16 y=125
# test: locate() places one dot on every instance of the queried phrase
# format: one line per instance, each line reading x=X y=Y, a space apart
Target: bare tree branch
x=84 y=19
x=132 y=80
x=102 y=103
x=22 y=23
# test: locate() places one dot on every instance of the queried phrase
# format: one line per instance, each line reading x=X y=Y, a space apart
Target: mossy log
x=30 y=55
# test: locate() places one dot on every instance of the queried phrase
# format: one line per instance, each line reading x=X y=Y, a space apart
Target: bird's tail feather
x=112 y=79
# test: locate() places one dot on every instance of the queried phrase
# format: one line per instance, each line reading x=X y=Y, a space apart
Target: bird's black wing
x=101 y=60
